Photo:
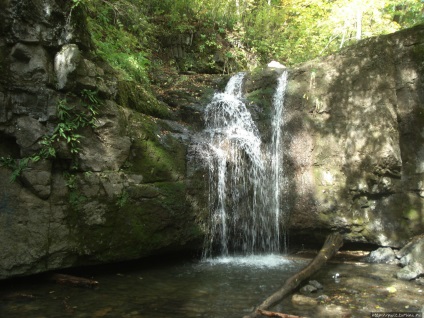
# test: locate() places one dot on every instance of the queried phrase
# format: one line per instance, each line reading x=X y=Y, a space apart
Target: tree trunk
x=332 y=244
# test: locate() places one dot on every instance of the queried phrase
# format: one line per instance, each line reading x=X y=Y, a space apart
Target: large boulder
x=412 y=259
x=354 y=141
x=382 y=255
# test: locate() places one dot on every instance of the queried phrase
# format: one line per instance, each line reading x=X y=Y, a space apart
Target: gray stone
x=112 y=184
x=381 y=255
x=41 y=21
x=3 y=108
x=414 y=250
x=303 y=301
x=24 y=219
x=412 y=258
x=33 y=104
x=108 y=149
x=410 y=271
x=316 y=284
x=37 y=178
x=88 y=69
x=65 y=62
x=323 y=298
x=21 y=52
x=307 y=289
x=28 y=132
x=94 y=213
x=30 y=64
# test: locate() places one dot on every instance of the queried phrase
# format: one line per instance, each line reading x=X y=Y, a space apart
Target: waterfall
x=276 y=152
x=68 y=30
x=244 y=175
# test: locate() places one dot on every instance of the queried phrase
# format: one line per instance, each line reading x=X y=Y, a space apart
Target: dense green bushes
x=236 y=34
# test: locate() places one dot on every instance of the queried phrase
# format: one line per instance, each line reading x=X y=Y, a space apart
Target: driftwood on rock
x=331 y=245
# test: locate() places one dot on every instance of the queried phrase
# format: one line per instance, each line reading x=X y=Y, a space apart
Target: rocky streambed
x=348 y=286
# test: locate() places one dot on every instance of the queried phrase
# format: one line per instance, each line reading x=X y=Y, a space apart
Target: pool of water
x=216 y=288
x=221 y=287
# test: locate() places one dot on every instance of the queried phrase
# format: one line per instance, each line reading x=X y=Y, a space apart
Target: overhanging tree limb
x=331 y=245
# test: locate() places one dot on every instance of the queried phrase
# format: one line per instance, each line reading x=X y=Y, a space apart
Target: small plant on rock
x=70 y=120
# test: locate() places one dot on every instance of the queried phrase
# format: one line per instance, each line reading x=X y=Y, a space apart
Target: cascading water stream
x=245 y=205
x=277 y=153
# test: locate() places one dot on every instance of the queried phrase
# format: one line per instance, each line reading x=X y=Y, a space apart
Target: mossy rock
x=155 y=153
x=140 y=227
x=143 y=191
x=412 y=214
x=137 y=97
x=262 y=78
x=155 y=163
x=418 y=53
x=260 y=86
x=262 y=97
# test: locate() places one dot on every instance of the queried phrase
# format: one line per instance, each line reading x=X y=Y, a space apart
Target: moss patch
x=155 y=153
x=156 y=163
x=412 y=215
x=135 y=96
x=261 y=97
x=418 y=53
x=139 y=228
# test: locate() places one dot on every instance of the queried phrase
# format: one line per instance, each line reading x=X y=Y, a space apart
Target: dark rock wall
x=354 y=142
x=123 y=194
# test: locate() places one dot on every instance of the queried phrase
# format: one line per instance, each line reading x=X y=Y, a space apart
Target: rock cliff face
x=119 y=191
x=354 y=142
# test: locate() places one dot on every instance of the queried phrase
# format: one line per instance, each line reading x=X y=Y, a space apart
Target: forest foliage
x=229 y=35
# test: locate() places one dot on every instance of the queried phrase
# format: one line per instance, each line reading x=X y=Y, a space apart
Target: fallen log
x=331 y=245
x=74 y=280
x=276 y=314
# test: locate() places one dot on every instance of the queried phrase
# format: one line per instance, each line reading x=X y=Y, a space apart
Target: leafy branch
x=71 y=120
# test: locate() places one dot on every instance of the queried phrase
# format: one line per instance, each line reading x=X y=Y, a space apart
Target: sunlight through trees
x=257 y=31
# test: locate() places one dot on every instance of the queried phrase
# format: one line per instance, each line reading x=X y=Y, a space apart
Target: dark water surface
x=219 y=288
